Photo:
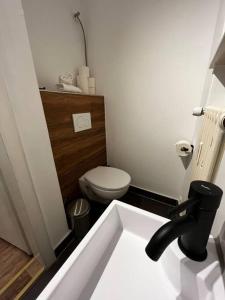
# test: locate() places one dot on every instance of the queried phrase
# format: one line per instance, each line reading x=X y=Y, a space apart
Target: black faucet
x=192 y=229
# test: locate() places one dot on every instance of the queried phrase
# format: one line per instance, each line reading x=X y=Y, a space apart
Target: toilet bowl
x=104 y=184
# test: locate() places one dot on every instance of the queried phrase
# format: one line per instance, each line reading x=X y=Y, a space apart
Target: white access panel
x=81 y=121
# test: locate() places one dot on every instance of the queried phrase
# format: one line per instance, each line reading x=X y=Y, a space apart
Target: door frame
x=18 y=88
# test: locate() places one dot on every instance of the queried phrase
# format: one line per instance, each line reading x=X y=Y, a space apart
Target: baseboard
x=153 y=196
x=64 y=243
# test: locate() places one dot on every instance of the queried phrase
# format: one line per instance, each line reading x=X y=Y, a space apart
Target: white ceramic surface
x=110 y=263
x=109 y=195
x=108 y=178
x=103 y=184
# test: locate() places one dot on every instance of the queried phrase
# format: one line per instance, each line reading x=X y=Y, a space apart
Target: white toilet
x=104 y=184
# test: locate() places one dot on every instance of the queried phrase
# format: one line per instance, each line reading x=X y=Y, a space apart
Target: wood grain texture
x=74 y=153
x=12 y=260
x=23 y=279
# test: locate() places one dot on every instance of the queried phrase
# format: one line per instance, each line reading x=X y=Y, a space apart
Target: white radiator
x=209 y=144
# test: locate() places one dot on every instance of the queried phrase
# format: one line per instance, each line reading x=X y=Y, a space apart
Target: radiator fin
x=209 y=143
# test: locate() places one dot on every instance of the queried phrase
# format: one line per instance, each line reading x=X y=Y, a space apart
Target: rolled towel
x=68 y=88
x=67 y=78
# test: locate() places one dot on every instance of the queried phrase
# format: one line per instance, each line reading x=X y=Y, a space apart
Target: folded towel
x=67 y=78
x=68 y=88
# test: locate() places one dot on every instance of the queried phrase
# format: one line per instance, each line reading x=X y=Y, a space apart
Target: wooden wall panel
x=74 y=153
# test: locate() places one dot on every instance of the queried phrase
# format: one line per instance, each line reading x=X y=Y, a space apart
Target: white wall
x=150 y=59
x=10 y=229
x=21 y=107
x=56 y=40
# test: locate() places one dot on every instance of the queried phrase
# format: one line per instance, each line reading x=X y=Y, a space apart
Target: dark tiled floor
x=155 y=204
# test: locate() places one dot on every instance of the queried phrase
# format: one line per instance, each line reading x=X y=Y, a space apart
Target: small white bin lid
x=108 y=178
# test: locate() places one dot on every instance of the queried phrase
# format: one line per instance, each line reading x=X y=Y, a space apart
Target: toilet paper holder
x=184 y=148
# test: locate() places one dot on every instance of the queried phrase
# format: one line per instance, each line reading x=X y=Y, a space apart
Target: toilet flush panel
x=81 y=121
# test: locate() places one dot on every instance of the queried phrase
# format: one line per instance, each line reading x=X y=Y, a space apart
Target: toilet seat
x=108 y=178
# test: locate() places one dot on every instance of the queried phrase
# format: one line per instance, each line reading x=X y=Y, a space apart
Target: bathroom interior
x=112 y=120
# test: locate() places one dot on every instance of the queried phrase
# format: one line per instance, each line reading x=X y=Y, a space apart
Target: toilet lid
x=108 y=178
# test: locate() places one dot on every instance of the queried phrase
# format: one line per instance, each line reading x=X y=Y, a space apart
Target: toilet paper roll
x=92 y=90
x=82 y=83
x=91 y=82
x=184 y=148
x=198 y=111
x=84 y=71
x=78 y=81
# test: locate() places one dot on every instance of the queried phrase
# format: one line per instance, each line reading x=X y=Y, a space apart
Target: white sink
x=110 y=264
